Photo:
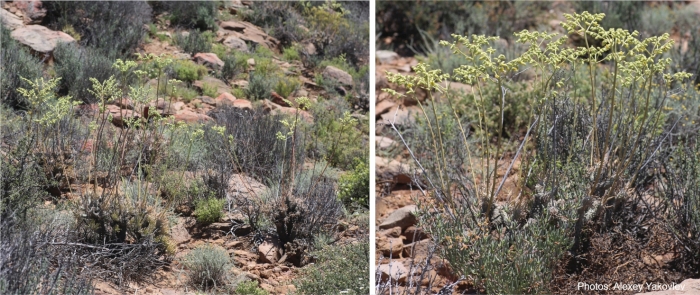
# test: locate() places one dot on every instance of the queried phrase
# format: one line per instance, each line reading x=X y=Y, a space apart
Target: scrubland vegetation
x=572 y=158
x=90 y=194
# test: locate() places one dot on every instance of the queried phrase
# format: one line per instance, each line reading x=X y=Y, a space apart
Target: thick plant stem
x=627 y=159
x=610 y=120
x=492 y=192
x=594 y=111
x=484 y=140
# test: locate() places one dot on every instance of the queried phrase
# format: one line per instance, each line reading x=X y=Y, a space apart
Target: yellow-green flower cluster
x=41 y=100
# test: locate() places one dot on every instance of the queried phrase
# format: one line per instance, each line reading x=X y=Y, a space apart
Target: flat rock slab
x=40 y=38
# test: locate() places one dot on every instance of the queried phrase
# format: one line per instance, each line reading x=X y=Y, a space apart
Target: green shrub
x=77 y=65
x=279 y=19
x=199 y=15
x=187 y=94
x=361 y=74
x=332 y=87
x=685 y=109
x=208 y=266
x=290 y=54
x=263 y=52
x=220 y=50
x=162 y=37
x=656 y=20
x=339 y=269
x=334 y=32
x=353 y=188
x=209 y=210
x=153 y=33
x=195 y=42
x=173 y=173
x=328 y=85
x=339 y=141
x=152 y=29
x=111 y=27
x=226 y=15
x=287 y=85
x=209 y=36
x=239 y=93
x=259 y=86
x=188 y=71
x=265 y=66
x=23 y=184
x=16 y=62
x=234 y=64
x=250 y=288
x=209 y=90
x=171 y=89
x=174 y=190
x=320 y=169
x=506 y=265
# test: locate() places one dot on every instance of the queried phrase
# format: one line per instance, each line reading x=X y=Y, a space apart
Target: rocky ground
x=255 y=260
x=22 y=17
